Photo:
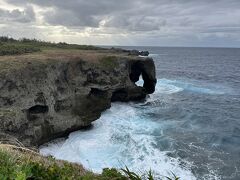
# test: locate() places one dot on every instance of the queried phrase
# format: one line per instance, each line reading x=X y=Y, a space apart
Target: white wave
x=163 y=86
x=155 y=55
x=167 y=86
x=122 y=136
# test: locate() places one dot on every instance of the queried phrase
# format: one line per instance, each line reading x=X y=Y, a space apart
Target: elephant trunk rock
x=42 y=98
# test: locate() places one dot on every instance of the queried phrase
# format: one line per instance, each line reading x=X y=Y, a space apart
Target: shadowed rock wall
x=44 y=100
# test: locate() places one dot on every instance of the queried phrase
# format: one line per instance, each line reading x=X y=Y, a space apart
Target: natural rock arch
x=147 y=71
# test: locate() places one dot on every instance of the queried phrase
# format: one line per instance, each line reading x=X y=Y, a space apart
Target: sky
x=201 y=23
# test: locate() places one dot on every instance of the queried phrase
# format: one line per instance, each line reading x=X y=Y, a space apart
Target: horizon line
x=227 y=47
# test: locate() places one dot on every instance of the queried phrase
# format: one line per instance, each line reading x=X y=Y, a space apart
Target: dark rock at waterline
x=134 y=53
x=144 y=68
x=138 y=53
x=143 y=53
x=131 y=52
x=46 y=96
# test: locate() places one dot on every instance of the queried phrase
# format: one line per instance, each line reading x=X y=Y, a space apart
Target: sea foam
x=123 y=136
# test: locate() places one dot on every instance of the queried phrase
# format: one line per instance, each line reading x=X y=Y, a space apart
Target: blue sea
x=190 y=126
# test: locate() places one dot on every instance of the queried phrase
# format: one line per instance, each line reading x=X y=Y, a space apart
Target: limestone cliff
x=49 y=94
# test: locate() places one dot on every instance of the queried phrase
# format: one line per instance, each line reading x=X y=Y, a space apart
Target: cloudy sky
x=124 y=22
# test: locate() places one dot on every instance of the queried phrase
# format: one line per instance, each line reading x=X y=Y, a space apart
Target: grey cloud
x=69 y=19
x=135 y=15
x=146 y=18
x=16 y=15
x=136 y=23
x=223 y=30
x=78 y=12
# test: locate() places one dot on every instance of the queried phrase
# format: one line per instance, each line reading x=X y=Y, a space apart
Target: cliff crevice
x=48 y=95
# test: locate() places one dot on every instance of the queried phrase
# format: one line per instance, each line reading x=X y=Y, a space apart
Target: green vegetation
x=15 y=49
x=109 y=62
x=10 y=46
x=23 y=164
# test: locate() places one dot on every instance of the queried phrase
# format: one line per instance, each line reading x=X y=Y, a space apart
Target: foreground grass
x=10 y=46
x=22 y=164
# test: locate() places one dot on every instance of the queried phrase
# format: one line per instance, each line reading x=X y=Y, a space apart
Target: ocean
x=190 y=126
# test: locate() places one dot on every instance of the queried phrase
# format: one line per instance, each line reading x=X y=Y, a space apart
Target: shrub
x=10 y=46
x=12 y=49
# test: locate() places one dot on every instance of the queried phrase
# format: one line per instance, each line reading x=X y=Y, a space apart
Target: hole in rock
x=38 y=109
x=143 y=76
x=140 y=82
x=136 y=74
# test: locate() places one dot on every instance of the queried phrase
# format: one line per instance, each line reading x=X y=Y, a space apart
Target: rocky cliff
x=50 y=94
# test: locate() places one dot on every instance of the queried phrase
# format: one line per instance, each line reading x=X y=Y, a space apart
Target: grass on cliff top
x=109 y=62
x=10 y=46
x=22 y=164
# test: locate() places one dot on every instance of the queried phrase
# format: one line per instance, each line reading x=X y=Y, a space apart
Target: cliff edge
x=48 y=94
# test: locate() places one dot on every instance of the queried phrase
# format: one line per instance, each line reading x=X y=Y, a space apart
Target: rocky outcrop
x=46 y=96
x=130 y=52
x=143 y=53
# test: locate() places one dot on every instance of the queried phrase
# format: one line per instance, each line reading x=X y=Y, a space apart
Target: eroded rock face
x=144 y=68
x=44 y=100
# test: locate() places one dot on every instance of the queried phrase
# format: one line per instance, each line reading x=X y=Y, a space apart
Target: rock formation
x=48 y=95
x=130 y=52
